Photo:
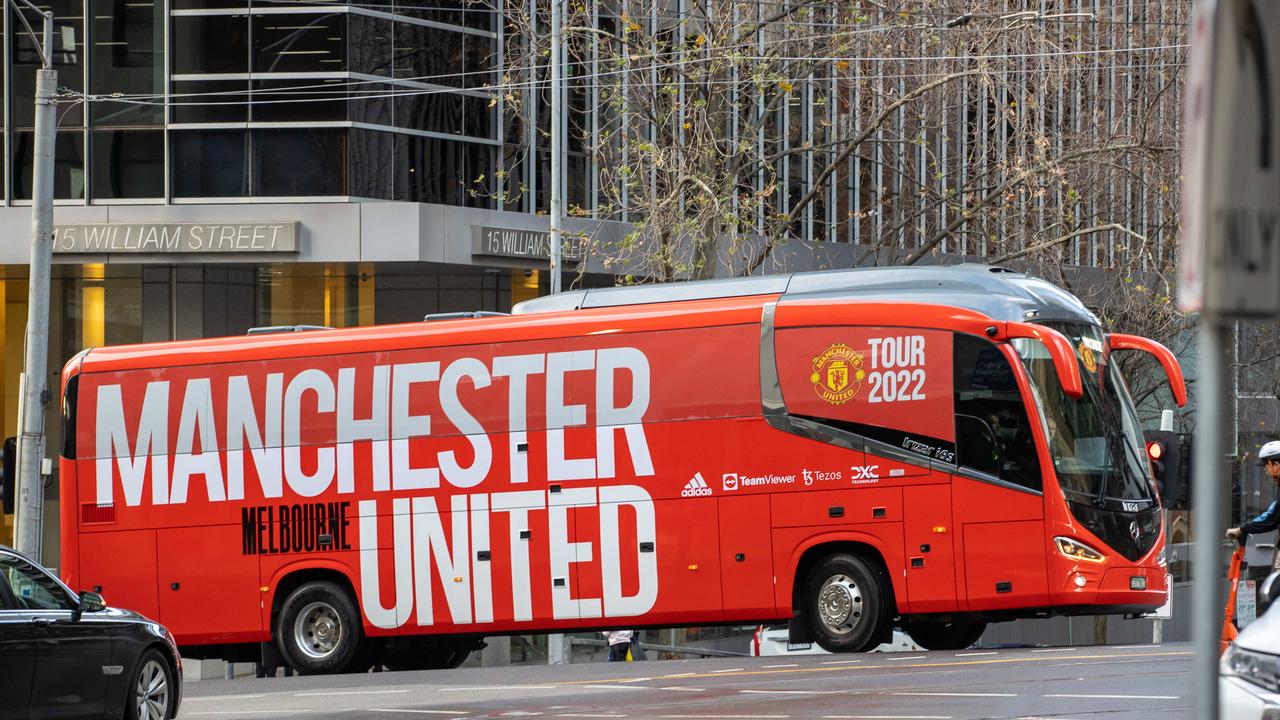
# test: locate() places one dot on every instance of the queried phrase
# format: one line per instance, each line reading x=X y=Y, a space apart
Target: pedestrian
x=637 y=651
x=619 y=645
x=1269 y=457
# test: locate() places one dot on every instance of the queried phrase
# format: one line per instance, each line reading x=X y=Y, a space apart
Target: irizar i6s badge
x=837 y=374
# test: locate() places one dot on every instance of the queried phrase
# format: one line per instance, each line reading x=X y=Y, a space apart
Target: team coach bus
x=850 y=451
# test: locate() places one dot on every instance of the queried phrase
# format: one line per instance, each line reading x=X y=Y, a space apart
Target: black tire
x=954 y=635
x=845 y=604
x=318 y=629
x=152 y=694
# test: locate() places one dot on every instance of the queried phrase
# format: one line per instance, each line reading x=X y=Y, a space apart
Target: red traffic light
x=1155 y=450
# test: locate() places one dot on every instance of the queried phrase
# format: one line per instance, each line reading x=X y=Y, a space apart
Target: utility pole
x=557 y=170
x=30 y=507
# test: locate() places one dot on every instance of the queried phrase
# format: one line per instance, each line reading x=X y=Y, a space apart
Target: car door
x=17 y=657
x=72 y=657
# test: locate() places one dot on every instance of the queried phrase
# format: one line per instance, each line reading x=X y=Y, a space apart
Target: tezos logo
x=837 y=374
x=729 y=481
x=696 y=487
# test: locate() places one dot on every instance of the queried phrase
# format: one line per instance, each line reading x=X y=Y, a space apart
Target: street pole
x=30 y=506
x=556 y=169
x=1206 y=563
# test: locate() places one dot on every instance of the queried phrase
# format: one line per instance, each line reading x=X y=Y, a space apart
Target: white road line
x=792 y=692
x=419 y=712
x=841 y=662
x=954 y=694
x=913 y=657
x=224 y=697
x=351 y=692
x=246 y=712
x=975 y=654
x=886 y=717
x=684 y=689
x=726 y=717
x=726 y=670
x=616 y=687
x=631 y=680
x=679 y=675
x=590 y=715
x=1119 y=697
x=473 y=688
x=768 y=667
x=1044 y=650
x=519 y=713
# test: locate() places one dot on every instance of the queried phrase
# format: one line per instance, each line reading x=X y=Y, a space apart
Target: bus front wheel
x=318 y=629
x=845 y=603
x=937 y=635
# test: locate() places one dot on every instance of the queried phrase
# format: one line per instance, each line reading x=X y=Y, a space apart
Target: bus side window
x=993 y=434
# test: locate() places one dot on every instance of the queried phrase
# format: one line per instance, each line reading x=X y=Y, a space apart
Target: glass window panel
x=211 y=44
x=210 y=163
x=369 y=44
x=128 y=163
x=299 y=43
x=371 y=164
x=207 y=101
x=479 y=61
x=207 y=4
x=477 y=120
x=444 y=172
x=68 y=165
x=128 y=43
x=292 y=100
x=429 y=110
x=442 y=11
x=429 y=54
x=308 y=162
x=68 y=60
x=373 y=103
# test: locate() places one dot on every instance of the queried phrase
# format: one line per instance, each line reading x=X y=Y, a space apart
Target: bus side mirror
x=1172 y=369
x=8 y=474
x=1059 y=347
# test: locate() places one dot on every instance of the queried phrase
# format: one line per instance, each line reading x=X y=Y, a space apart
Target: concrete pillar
x=497 y=652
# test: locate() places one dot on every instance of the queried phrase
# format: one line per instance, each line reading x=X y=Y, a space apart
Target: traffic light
x=8 y=474
x=1170 y=456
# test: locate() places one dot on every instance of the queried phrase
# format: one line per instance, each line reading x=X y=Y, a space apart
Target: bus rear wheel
x=845 y=604
x=938 y=635
x=318 y=629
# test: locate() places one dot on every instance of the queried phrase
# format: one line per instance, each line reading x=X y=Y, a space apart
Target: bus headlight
x=1077 y=550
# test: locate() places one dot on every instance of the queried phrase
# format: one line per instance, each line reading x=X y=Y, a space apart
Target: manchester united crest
x=837 y=374
x=1086 y=356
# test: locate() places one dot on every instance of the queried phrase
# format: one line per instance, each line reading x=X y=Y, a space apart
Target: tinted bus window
x=993 y=434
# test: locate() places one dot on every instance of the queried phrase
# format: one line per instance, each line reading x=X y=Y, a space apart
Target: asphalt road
x=1118 y=683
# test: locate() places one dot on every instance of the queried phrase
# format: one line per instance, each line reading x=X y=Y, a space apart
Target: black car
x=65 y=655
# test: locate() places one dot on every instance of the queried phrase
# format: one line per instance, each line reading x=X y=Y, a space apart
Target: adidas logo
x=696 y=487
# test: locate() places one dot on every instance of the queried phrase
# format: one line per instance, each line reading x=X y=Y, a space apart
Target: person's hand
x=1233 y=533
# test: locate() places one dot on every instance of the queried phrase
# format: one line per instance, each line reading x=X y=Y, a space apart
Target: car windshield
x=1095 y=441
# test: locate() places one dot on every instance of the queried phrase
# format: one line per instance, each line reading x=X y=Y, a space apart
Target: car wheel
x=151 y=691
x=935 y=635
x=318 y=629
x=845 y=604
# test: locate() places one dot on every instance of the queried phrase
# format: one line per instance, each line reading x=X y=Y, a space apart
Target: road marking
x=841 y=662
x=727 y=717
x=975 y=654
x=913 y=657
x=684 y=689
x=472 y=688
x=616 y=687
x=688 y=674
x=519 y=713
x=726 y=670
x=631 y=680
x=590 y=715
x=1119 y=697
x=792 y=692
x=954 y=694
x=351 y=692
x=246 y=712
x=886 y=717
x=226 y=697
x=411 y=711
x=1045 y=650
x=766 y=667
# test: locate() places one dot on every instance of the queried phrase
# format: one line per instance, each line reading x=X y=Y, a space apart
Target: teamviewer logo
x=729 y=481
x=696 y=487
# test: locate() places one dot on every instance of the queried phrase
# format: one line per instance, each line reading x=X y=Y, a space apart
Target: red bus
x=849 y=451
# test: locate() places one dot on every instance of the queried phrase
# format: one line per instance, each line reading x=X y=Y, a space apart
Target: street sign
x=1165 y=611
x=1246 y=603
x=1230 y=262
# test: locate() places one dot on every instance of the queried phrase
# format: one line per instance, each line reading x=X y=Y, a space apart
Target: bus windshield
x=1095 y=441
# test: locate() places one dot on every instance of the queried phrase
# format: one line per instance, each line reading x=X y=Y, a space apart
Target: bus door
x=746 y=565
x=930 y=548
x=208 y=587
x=997 y=490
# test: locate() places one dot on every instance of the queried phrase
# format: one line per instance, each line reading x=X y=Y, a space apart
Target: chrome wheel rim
x=318 y=631
x=840 y=605
x=152 y=696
